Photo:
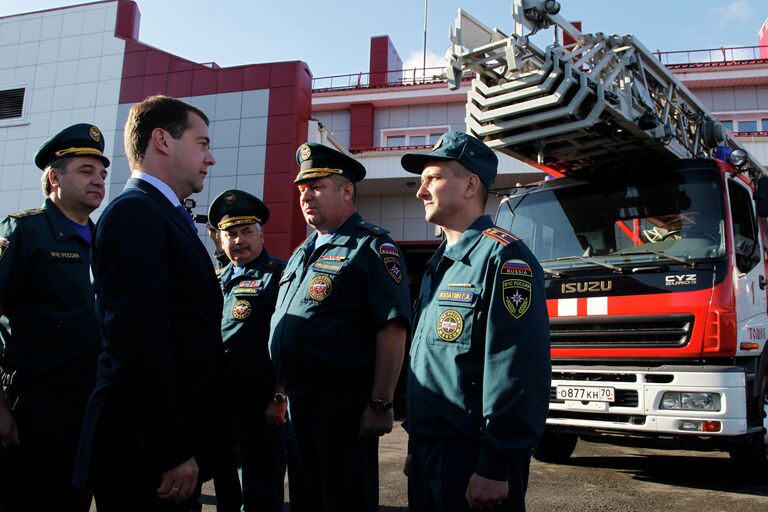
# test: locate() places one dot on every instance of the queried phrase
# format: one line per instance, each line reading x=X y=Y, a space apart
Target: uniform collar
x=250 y=269
x=342 y=235
x=469 y=239
x=62 y=226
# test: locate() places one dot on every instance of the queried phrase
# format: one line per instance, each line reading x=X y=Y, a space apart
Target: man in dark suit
x=155 y=426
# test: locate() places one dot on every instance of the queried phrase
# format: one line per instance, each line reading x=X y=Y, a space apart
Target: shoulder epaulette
x=272 y=264
x=373 y=228
x=503 y=237
x=27 y=213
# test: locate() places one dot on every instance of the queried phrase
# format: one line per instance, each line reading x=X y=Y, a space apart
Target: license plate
x=586 y=393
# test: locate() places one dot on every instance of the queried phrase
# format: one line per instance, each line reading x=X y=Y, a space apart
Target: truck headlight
x=690 y=401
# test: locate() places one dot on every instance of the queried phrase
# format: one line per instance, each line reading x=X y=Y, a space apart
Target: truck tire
x=555 y=447
x=751 y=460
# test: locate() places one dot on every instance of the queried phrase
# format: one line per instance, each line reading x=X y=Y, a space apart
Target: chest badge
x=450 y=325
x=516 y=294
x=320 y=287
x=241 y=310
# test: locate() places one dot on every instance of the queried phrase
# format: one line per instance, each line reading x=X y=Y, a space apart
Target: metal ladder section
x=599 y=103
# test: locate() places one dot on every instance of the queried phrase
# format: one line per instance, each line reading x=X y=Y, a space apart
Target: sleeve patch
x=516 y=268
x=393 y=268
x=4 y=245
x=503 y=237
x=388 y=249
x=516 y=295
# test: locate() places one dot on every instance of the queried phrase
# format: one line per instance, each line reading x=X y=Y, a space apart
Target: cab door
x=748 y=258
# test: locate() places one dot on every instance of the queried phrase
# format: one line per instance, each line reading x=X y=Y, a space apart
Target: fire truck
x=651 y=233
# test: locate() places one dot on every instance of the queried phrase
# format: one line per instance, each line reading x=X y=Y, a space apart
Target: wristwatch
x=280 y=398
x=380 y=406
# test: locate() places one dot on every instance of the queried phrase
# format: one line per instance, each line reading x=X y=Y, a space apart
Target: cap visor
x=415 y=162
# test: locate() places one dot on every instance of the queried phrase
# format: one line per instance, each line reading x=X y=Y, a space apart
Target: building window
x=407 y=137
x=765 y=125
x=727 y=124
x=747 y=126
x=12 y=103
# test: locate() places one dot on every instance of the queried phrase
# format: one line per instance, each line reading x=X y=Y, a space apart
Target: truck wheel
x=752 y=459
x=555 y=447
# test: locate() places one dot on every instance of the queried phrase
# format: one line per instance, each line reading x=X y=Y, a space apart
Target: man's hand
x=179 y=483
x=275 y=414
x=9 y=435
x=376 y=424
x=484 y=493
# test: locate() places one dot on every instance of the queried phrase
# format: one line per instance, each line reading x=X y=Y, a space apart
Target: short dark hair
x=58 y=164
x=170 y=114
x=460 y=171
x=340 y=181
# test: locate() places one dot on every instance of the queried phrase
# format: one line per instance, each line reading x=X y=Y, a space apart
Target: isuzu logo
x=680 y=280
x=586 y=286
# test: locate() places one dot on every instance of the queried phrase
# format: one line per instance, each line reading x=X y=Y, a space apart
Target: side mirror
x=761 y=197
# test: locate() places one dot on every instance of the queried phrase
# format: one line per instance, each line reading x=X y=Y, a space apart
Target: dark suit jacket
x=158 y=395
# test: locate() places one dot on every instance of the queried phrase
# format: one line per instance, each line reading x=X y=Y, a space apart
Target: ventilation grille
x=621 y=332
x=11 y=103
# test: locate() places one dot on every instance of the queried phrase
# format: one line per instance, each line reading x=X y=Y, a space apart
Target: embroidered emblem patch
x=320 y=287
x=241 y=310
x=449 y=325
x=60 y=255
x=331 y=257
x=305 y=152
x=516 y=294
x=516 y=268
x=388 y=249
x=253 y=283
x=456 y=296
x=94 y=133
x=327 y=267
x=4 y=244
x=393 y=268
x=230 y=198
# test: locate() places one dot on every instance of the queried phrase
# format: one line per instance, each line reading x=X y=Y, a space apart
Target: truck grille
x=624 y=398
x=662 y=331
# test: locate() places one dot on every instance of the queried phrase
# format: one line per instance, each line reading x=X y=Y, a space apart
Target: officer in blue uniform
x=338 y=334
x=49 y=332
x=249 y=283
x=479 y=370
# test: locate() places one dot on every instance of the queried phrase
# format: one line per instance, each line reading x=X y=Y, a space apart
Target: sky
x=333 y=36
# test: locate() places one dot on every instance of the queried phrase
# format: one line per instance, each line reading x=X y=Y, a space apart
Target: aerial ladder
x=592 y=104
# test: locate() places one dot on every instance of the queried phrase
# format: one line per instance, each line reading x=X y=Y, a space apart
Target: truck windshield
x=669 y=217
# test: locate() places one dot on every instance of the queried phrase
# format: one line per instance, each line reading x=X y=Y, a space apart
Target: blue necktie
x=187 y=217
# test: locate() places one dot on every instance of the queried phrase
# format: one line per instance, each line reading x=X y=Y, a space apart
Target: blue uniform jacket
x=49 y=328
x=479 y=361
x=331 y=304
x=249 y=302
